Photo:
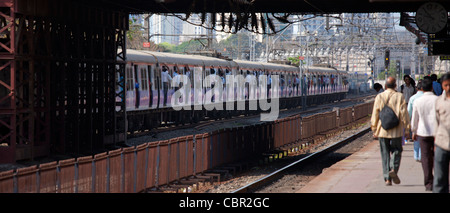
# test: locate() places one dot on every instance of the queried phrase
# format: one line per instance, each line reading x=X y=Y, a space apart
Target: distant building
x=165 y=29
x=191 y=31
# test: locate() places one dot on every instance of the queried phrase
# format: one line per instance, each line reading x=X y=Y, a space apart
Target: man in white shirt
x=410 y=111
x=166 y=79
x=423 y=124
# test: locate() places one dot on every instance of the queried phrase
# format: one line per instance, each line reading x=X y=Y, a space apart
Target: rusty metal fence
x=154 y=164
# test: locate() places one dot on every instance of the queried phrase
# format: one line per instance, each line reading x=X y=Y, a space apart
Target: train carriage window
x=129 y=78
x=136 y=76
x=151 y=77
x=144 y=78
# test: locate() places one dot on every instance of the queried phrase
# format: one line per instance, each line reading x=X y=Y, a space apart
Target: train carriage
x=149 y=106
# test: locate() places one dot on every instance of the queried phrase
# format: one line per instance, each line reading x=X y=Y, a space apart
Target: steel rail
x=274 y=175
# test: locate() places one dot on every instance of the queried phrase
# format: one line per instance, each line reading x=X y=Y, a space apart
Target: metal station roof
x=278 y=6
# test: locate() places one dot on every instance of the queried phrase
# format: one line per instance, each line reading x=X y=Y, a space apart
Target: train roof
x=316 y=69
x=173 y=58
x=265 y=66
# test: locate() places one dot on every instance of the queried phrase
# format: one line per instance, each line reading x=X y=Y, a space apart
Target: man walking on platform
x=419 y=94
x=390 y=139
x=442 y=138
x=423 y=124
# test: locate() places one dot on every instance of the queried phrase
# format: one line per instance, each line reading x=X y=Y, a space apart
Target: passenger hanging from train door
x=306 y=78
x=227 y=93
x=319 y=83
x=315 y=83
x=332 y=81
x=294 y=84
x=176 y=79
x=187 y=72
x=165 y=79
x=227 y=71
x=212 y=72
x=289 y=85
x=269 y=84
x=282 y=85
x=327 y=78
x=136 y=87
x=247 y=85
x=258 y=73
x=150 y=84
x=304 y=85
x=187 y=92
x=322 y=83
x=222 y=78
x=252 y=85
x=138 y=97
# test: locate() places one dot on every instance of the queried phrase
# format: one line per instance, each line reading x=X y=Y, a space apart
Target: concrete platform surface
x=362 y=173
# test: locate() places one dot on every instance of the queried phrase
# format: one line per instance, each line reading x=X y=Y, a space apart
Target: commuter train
x=148 y=98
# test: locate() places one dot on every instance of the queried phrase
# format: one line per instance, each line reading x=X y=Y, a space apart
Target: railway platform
x=361 y=172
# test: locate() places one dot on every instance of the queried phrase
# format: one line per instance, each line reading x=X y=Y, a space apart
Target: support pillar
x=62 y=74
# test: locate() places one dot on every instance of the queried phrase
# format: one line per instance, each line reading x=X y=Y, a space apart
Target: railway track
x=268 y=179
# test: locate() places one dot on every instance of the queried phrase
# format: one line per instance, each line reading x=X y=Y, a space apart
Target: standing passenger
x=315 y=83
x=332 y=82
x=442 y=138
x=390 y=140
x=212 y=75
x=166 y=79
x=177 y=79
x=377 y=87
x=282 y=85
x=437 y=88
x=322 y=83
x=269 y=84
x=423 y=124
x=407 y=88
x=419 y=93
x=138 y=96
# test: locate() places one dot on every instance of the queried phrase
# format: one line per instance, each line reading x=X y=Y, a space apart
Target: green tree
x=166 y=47
x=191 y=45
x=135 y=36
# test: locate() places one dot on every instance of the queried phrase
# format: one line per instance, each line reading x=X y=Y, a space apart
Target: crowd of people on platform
x=421 y=115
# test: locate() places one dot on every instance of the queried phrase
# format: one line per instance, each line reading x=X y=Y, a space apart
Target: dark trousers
x=441 y=163
x=390 y=146
x=138 y=99
x=165 y=89
x=427 y=158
